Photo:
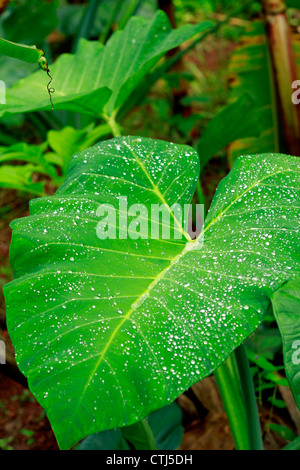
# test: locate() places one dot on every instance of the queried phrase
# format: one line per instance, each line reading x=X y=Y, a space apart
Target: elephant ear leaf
x=101 y=78
x=108 y=330
x=286 y=307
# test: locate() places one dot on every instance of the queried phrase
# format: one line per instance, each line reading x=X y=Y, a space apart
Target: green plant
x=266 y=68
x=50 y=158
x=5 y=443
x=28 y=433
x=110 y=310
x=145 y=42
x=110 y=331
x=95 y=84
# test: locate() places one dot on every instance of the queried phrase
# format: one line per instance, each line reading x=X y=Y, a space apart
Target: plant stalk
x=249 y=399
x=114 y=126
x=228 y=384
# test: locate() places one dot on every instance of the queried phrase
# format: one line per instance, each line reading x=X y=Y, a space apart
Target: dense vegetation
x=113 y=117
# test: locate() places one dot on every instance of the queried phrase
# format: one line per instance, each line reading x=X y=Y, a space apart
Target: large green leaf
x=107 y=331
x=286 y=305
x=99 y=77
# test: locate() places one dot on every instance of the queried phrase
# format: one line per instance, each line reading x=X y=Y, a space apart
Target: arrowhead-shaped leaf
x=107 y=331
x=96 y=76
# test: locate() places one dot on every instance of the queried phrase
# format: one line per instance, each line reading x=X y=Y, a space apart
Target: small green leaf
x=277 y=402
x=276 y=379
x=23 y=52
x=283 y=431
x=20 y=178
x=294 y=445
x=27 y=432
x=260 y=360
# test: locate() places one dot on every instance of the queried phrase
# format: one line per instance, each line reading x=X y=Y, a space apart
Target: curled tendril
x=50 y=88
x=44 y=66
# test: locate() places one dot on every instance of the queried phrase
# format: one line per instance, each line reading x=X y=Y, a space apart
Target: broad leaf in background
x=83 y=81
x=12 y=72
x=165 y=425
x=64 y=144
x=134 y=322
x=236 y=121
x=250 y=69
x=16 y=24
x=68 y=141
x=266 y=342
x=108 y=14
x=286 y=305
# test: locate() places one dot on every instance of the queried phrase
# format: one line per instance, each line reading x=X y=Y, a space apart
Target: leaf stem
x=248 y=394
x=114 y=126
x=228 y=383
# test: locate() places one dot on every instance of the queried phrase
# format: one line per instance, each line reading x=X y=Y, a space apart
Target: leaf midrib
x=161 y=275
x=158 y=192
x=214 y=220
x=173 y=262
